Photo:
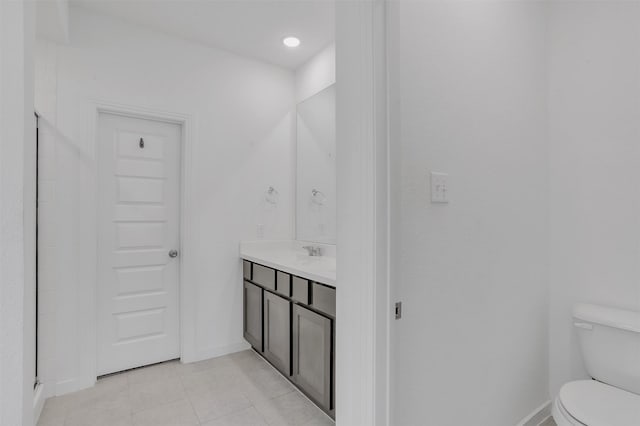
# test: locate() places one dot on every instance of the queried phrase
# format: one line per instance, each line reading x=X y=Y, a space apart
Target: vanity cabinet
x=283 y=284
x=252 y=315
x=324 y=299
x=266 y=277
x=312 y=354
x=246 y=270
x=300 y=290
x=277 y=332
x=290 y=321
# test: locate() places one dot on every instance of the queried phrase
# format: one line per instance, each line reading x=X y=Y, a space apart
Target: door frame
x=186 y=288
x=363 y=206
x=363 y=387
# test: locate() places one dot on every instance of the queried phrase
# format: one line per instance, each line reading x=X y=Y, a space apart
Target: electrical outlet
x=260 y=231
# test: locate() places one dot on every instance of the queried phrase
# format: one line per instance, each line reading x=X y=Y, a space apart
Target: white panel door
x=139 y=199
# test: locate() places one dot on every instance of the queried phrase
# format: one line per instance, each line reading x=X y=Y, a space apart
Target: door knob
x=173 y=253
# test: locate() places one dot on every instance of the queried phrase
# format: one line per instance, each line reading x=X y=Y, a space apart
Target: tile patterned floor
x=240 y=389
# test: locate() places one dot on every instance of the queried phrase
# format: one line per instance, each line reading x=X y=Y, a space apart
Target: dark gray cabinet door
x=253 y=315
x=277 y=332
x=312 y=351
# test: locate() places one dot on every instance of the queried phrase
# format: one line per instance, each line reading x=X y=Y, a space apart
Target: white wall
x=243 y=143
x=17 y=210
x=52 y=17
x=316 y=74
x=594 y=110
x=468 y=97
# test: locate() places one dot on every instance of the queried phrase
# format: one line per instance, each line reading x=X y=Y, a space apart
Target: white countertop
x=290 y=257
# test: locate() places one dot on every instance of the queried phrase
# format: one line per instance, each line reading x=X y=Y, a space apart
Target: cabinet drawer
x=324 y=299
x=264 y=276
x=300 y=290
x=283 y=284
x=246 y=269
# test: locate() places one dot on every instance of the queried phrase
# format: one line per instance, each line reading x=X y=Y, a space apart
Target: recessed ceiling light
x=291 y=41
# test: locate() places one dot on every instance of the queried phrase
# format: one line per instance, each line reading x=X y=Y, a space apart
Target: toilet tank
x=610 y=343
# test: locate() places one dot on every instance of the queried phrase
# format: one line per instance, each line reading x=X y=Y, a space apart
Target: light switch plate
x=439 y=187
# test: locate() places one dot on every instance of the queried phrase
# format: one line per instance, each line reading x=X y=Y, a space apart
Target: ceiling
x=253 y=28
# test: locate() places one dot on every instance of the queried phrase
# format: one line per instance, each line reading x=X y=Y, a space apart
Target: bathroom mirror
x=316 y=168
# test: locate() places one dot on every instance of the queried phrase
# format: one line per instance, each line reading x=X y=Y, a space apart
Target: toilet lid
x=596 y=404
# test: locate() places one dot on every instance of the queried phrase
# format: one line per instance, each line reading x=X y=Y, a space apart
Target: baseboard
x=539 y=415
x=79 y=383
x=39 y=396
x=216 y=351
x=74 y=385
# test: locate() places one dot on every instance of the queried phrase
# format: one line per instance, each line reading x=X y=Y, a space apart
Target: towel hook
x=272 y=195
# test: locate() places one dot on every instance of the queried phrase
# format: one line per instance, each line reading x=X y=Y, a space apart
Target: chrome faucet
x=313 y=250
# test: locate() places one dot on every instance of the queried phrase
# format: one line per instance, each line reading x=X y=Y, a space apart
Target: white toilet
x=610 y=343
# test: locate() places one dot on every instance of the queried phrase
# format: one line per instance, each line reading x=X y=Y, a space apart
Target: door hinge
x=398 y=310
